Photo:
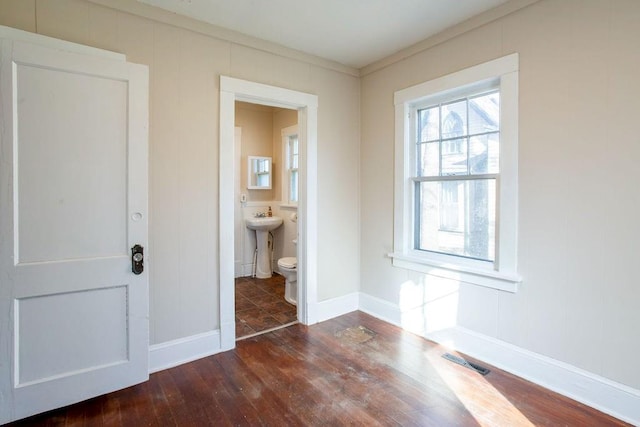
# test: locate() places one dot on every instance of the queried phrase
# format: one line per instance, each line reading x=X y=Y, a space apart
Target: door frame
x=232 y=90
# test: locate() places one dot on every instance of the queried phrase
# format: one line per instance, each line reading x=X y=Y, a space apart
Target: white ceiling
x=351 y=32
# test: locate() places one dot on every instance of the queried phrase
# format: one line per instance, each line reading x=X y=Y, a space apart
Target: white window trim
x=501 y=274
x=286 y=199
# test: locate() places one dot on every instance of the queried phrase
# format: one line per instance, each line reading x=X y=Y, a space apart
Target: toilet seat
x=288 y=262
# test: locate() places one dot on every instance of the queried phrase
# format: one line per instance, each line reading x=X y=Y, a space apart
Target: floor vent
x=460 y=361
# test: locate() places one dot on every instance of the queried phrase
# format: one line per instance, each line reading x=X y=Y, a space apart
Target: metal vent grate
x=460 y=361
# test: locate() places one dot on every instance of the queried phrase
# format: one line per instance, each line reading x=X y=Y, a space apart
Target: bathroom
x=265 y=132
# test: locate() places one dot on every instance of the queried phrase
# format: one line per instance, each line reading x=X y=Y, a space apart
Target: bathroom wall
x=185 y=59
x=256 y=122
x=579 y=235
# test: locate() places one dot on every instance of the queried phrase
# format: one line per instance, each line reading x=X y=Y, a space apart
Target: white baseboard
x=173 y=353
x=381 y=309
x=337 y=306
x=610 y=397
x=242 y=270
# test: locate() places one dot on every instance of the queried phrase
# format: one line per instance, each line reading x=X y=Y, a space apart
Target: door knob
x=137 y=259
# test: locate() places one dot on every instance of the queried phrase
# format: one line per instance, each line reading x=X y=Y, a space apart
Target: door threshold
x=267 y=331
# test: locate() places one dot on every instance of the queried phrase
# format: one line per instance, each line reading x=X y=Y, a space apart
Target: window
x=456 y=175
x=457 y=151
x=290 y=140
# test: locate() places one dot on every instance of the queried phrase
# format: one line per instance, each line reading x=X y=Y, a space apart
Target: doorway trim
x=232 y=90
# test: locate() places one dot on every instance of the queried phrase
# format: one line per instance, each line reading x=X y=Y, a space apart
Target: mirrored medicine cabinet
x=259 y=173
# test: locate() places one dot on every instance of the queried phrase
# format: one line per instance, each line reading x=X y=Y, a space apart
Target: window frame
x=287 y=133
x=501 y=73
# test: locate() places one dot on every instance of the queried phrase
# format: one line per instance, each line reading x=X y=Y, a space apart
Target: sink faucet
x=260 y=214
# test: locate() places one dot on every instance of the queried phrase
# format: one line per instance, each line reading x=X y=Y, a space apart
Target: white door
x=73 y=202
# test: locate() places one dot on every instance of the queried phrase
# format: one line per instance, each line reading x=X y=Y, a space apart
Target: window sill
x=488 y=279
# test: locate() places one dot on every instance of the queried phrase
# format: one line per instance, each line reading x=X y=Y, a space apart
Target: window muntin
x=460 y=137
x=457 y=153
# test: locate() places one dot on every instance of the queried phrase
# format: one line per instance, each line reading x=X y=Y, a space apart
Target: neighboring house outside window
x=456 y=175
x=457 y=147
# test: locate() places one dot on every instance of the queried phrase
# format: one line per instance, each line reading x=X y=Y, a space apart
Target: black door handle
x=137 y=259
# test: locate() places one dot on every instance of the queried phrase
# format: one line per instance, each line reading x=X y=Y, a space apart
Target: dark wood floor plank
x=404 y=386
x=351 y=384
x=184 y=406
x=275 y=371
x=327 y=374
x=398 y=390
x=267 y=401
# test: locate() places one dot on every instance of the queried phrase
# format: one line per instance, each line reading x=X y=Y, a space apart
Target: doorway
x=232 y=90
x=266 y=141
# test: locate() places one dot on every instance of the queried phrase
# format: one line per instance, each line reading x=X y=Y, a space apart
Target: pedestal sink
x=262 y=226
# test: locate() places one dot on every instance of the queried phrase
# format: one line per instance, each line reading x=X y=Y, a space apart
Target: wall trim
x=608 y=396
x=166 y=17
x=338 y=306
x=381 y=309
x=448 y=34
x=16 y=34
x=183 y=350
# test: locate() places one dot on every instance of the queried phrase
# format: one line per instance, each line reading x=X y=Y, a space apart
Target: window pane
x=429 y=159
x=429 y=124
x=457 y=217
x=454 y=157
x=293 y=152
x=484 y=113
x=454 y=119
x=484 y=153
x=450 y=212
x=293 y=185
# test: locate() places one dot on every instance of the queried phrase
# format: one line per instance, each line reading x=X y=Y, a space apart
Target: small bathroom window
x=291 y=176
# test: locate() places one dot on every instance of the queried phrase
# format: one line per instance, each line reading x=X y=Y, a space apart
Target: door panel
x=69 y=209
x=73 y=201
x=49 y=348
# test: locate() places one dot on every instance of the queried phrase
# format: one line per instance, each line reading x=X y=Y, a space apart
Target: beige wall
x=578 y=166
x=184 y=68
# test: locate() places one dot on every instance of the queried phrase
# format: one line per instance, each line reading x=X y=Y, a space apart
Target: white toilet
x=288 y=267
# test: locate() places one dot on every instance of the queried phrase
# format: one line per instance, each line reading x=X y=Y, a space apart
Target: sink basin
x=264 y=224
x=262 y=227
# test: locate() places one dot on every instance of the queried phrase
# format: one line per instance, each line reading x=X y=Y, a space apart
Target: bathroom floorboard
x=351 y=370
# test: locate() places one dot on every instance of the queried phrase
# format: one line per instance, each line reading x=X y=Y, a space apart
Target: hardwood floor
x=260 y=305
x=352 y=370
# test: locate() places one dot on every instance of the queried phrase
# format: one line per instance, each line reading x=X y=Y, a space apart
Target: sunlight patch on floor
x=487 y=405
